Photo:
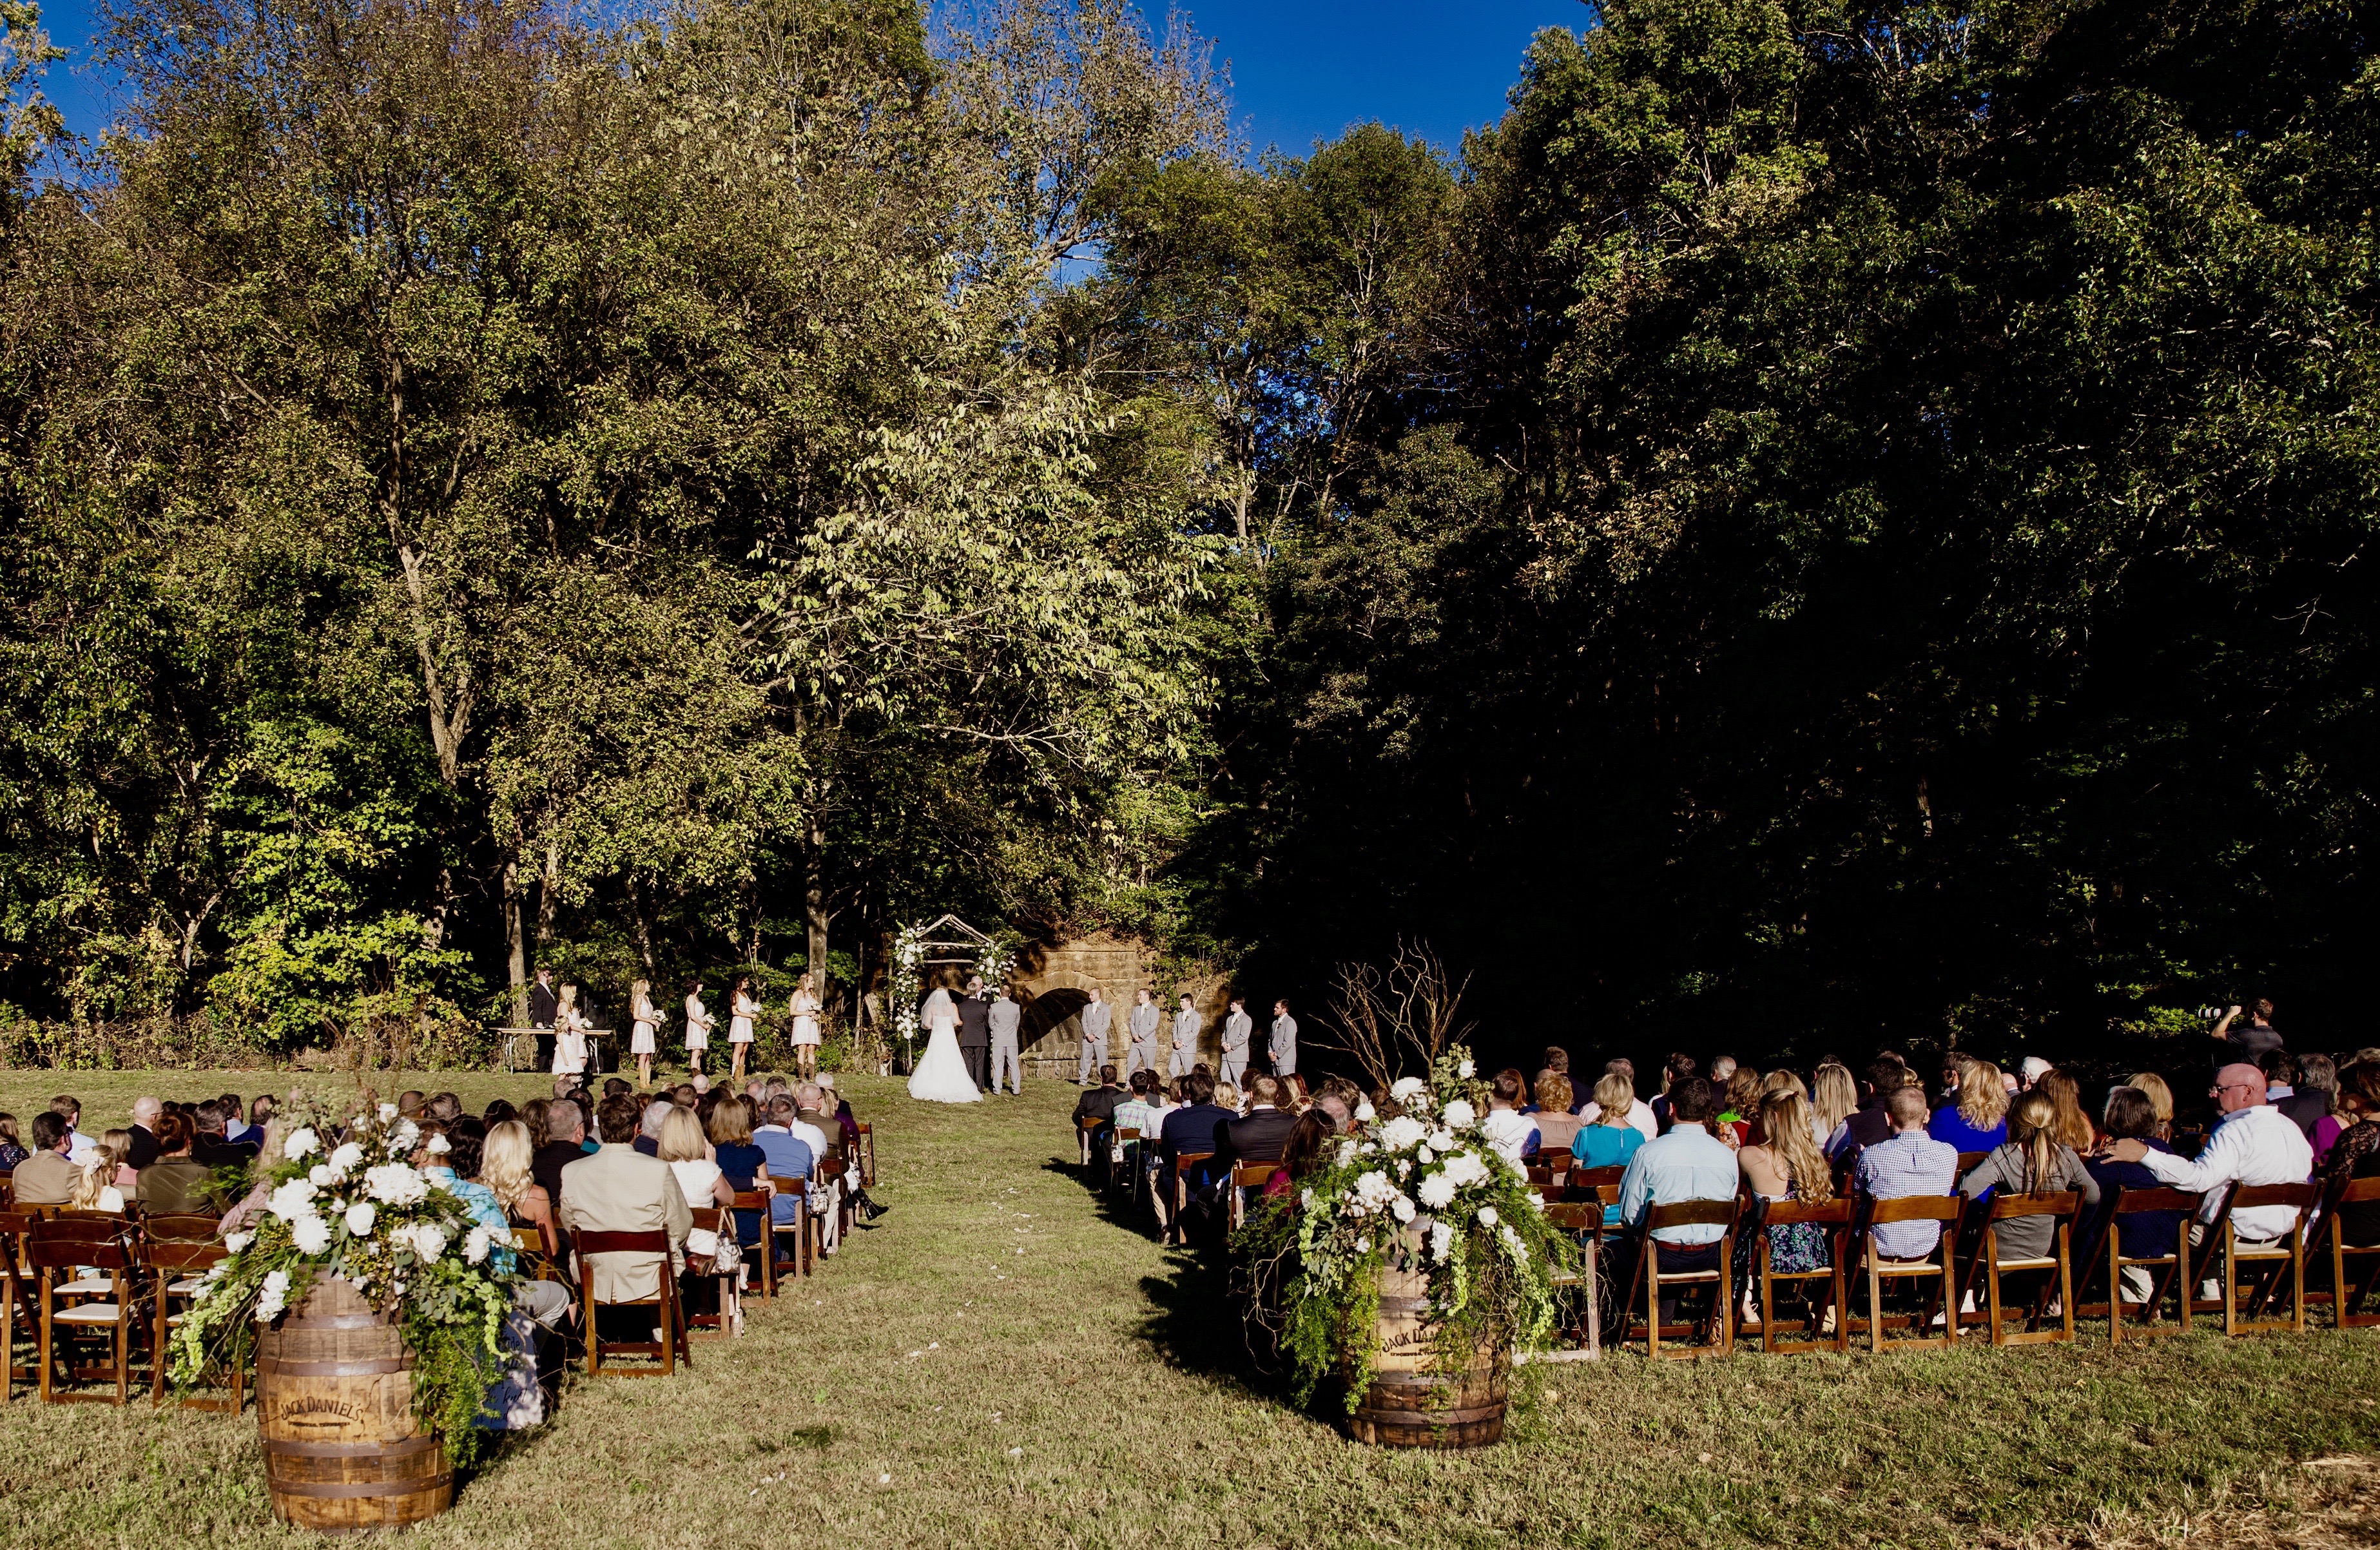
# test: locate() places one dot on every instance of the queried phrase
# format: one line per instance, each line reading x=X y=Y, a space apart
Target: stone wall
x=1053 y=982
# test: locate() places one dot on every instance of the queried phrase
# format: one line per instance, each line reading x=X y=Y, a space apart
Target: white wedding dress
x=941 y=1077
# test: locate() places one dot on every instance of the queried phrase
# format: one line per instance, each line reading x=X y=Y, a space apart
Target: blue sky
x=1300 y=68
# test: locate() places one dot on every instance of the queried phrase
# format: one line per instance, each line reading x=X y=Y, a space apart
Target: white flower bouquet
x=364 y=1213
x=1421 y=1191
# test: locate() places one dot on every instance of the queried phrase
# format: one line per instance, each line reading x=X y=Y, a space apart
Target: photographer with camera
x=2245 y=1045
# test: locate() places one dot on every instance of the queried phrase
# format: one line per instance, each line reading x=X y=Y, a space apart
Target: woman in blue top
x=1611 y=1140
x=1977 y=1121
x=739 y=1161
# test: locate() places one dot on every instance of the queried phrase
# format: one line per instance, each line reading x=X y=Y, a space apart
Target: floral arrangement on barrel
x=1419 y=1191
x=345 y=1197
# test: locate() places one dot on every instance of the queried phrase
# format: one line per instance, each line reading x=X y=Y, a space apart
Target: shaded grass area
x=1031 y=1369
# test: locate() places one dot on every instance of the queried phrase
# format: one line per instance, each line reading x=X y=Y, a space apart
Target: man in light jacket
x=618 y=1189
x=1285 y=1040
x=1144 y=1031
x=1186 y=1023
x=1095 y=1016
x=1238 y=1028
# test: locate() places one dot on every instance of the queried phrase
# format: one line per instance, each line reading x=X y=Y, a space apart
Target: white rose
x=343 y=1161
x=1402 y=1131
x=298 y=1143
x=1442 y=1139
x=1426 y=1157
x=321 y=1176
x=397 y=1184
x=1365 y=1112
x=292 y=1199
x=310 y=1233
x=437 y=1147
x=429 y=1241
x=1460 y=1115
x=1346 y=1153
x=1486 y=1216
x=360 y=1216
x=1466 y=1071
x=1402 y=1208
x=237 y=1240
x=1405 y=1088
x=1441 y=1241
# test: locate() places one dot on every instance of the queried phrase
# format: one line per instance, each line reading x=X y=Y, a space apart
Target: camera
x=2212 y=1015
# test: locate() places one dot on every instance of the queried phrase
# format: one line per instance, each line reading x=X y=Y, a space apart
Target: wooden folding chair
x=1085 y=1127
x=20 y=1299
x=867 y=1157
x=2331 y=1242
x=830 y=1172
x=1121 y=1153
x=2006 y=1207
x=177 y=1269
x=1968 y=1162
x=2108 y=1257
x=2288 y=1250
x=672 y=1348
x=1940 y=1269
x=720 y=1221
x=1558 y=1159
x=799 y=1189
x=55 y=1250
x=1186 y=1165
x=1246 y=1177
x=182 y=1227
x=1593 y=1181
x=1585 y=1225
x=1835 y=1215
x=1649 y=1275
x=765 y=1249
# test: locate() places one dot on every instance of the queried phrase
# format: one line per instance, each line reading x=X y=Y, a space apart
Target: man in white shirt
x=1640 y=1113
x=1512 y=1132
x=2254 y=1143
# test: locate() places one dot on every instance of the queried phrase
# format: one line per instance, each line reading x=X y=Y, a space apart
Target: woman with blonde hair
x=1978 y=1120
x=642 y=1037
x=2073 y=1128
x=1556 y=1126
x=2160 y=1098
x=505 y=1159
x=683 y=1146
x=1610 y=1141
x=2032 y=1160
x=96 y=1189
x=805 y=1008
x=1785 y=1164
x=1834 y=1098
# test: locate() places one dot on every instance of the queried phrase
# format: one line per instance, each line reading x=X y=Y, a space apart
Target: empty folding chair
x=1245 y=1179
x=2347 y=1295
x=176 y=1269
x=55 y=1250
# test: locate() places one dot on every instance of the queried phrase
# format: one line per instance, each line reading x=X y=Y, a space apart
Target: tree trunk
x=548 y=890
x=643 y=926
x=515 y=948
x=814 y=892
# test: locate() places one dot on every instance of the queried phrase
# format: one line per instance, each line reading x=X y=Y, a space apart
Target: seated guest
x=67 y=1107
x=2152 y=1086
x=1873 y=1120
x=1685 y=1162
x=1556 y=1126
x=1193 y=1127
x=260 y=1110
x=1907 y=1162
x=410 y=1103
x=95 y=1190
x=1259 y=1136
x=445 y=1107
x=2139 y=1234
x=743 y=1164
x=683 y=1148
x=2356 y=1152
x=1335 y=1108
x=127 y=1178
x=1640 y=1113
x=565 y=1133
x=2073 y=1127
x=1312 y=1141
x=145 y=1111
x=1099 y=1103
x=505 y=1159
x=1785 y=1164
x=1977 y=1121
x=2032 y=1161
x=235 y=1125
x=212 y=1147
x=2252 y=1144
x=499 y=1112
x=789 y=1156
x=620 y=1190
x=1513 y=1134
x=824 y=1136
x=12 y=1144
x=1609 y=1140
x=1741 y=1110
x=648 y=1128
x=47 y=1178
x=1554 y=1062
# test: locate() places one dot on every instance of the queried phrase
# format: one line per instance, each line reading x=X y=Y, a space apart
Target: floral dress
x=1796 y=1247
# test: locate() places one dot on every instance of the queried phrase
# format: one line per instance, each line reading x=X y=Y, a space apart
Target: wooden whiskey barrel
x=1408 y=1406
x=334 y=1402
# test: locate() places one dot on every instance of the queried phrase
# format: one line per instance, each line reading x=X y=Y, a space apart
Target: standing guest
x=145 y=1113
x=1640 y=1115
x=1684 y=1163
x=1239 y=1029
x=803 y=1008
x=644 y=1033
x=1907 y=1162
x=543 y=1004
x=1002 y=1022
x=2355 y=1154
x=1510 y=1132
x=1143 y=1023
x=49 y=1175
x=12 y=1144
x=1283 y=1041
x=1676 y=1068
x=1834 y=1097
x=2138 y=1234
x=175 y=1182
x=1186 y=1026
x=2246 y=1046
x=699 y=1023
x=1610 y=1139
x=565 y=1135
x=1093 y=1021
x=1556 y=1126
x=618 y=1191
x=569 y=1034
x=2073 y=1129
x=975 y=1031
x=2032 y=1160
x=1977 y=1121
x=741 y=1010
x=2152 y=1086
x=2254 y=1143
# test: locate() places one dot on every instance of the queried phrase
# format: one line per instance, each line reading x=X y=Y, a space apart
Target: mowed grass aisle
x=1027 y=1371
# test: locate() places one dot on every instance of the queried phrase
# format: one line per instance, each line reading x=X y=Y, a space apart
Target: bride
x=941 y=1077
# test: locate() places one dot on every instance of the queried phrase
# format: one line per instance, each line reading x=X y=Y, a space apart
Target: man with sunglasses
x=2254 y=1143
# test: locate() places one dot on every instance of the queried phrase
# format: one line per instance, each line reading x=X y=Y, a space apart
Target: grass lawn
x=1028 y=1370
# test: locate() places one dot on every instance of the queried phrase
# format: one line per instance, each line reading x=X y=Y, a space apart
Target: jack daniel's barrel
x=335 y=1400
x=1408 y=1406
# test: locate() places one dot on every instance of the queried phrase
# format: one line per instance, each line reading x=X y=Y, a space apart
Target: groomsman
x=1004 y=1019
x=1095 y=1036
x=1144 y=1031
x=1237 y=1027
x=1186 y=1023
x=1285 y=1040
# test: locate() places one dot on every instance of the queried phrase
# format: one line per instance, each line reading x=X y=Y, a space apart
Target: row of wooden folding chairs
x=71 y=1274
x=1245 y=1176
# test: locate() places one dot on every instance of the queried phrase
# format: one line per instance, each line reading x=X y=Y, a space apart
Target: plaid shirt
x=1908 y=1163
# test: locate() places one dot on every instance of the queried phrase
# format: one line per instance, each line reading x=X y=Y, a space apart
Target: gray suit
x=1143 y=1036
x=1095 y=1040
x=1284 y=1045
x=1236 y=1029
x=1005 y=1016
x=1186 y=1023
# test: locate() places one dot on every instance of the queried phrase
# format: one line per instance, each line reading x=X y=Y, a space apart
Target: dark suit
x=543 y=1007
x=1098 y=1102
x=1257 y=1139
x=2306 y=1109
x=144 y=1149
x=1197 y=1127
x=547 y=1165
x=213 y=1151
x=974 y=1036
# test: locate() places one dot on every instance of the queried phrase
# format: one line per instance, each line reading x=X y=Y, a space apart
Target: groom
x=975 y=1031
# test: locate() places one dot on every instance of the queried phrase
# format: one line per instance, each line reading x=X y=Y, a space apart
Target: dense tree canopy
x=1827 y=523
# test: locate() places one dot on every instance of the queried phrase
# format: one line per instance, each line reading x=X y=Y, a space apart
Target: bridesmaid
x=569 y=1034
x=805 y=1007
x=742 y=1008
x=698 y=1025
x=640 y=1039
